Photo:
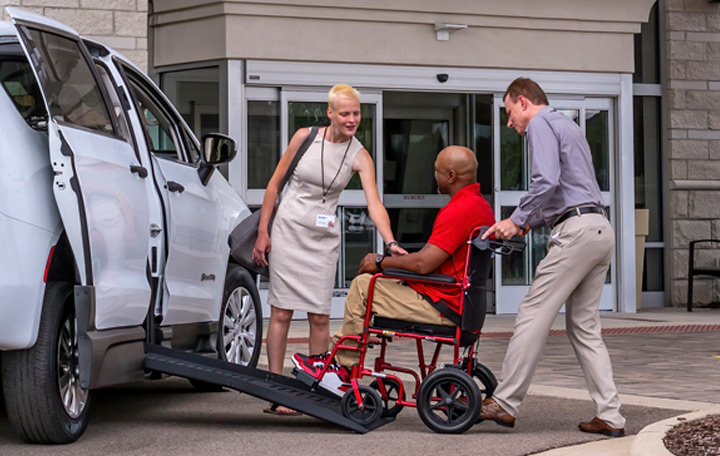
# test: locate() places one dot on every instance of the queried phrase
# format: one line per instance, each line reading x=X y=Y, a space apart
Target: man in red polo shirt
x=444 y=253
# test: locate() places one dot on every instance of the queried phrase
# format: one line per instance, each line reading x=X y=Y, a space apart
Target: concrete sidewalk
x=662 y=358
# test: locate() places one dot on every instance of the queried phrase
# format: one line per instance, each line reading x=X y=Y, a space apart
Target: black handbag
x=244 y=236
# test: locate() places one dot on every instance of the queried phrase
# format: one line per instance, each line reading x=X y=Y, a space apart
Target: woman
x=305 y=241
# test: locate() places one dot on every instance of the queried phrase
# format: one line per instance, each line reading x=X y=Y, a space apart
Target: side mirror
x=218 y=149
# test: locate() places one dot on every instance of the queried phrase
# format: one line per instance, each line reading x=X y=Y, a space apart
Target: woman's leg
x=277 y=338
x=319 y=341
x=276 y=345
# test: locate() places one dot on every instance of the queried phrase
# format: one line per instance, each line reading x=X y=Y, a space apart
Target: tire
x=372 y=406
x=44 y=401
x=240 y=323
x=448 y=401
x=392 y=389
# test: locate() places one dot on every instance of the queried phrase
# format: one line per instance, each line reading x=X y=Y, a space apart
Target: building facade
x=640 y=78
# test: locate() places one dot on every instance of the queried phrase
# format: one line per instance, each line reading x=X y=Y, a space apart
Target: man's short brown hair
x=527 y=88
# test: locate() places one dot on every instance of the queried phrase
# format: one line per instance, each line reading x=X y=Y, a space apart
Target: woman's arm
x=262 y=245
x=365 y=167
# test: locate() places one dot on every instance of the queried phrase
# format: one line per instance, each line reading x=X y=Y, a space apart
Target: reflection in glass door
x=594 y=116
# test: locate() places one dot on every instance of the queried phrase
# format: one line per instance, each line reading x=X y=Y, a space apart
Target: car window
x=73 y=94
x=18 y=80
x=117 y=109
x=159 y=130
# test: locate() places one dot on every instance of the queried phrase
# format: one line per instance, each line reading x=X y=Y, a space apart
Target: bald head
x=455 y=167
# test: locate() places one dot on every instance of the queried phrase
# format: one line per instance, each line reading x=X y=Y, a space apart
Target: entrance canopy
x=561 y=35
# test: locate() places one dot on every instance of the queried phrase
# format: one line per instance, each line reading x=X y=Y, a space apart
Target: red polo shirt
x=452 y=228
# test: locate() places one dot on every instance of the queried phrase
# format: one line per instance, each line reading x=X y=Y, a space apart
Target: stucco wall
x=120 y=24
x=574 y=35
x=693 y=122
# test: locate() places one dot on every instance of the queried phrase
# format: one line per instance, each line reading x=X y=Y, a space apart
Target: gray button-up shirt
x=563 y=176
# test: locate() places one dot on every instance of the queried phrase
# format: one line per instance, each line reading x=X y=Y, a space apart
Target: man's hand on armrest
x=427 y=260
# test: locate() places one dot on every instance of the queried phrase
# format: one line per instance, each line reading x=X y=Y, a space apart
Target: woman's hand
x=261 y=249
x=396 y=250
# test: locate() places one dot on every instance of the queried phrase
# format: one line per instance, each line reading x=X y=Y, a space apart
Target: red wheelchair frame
x=448 y=399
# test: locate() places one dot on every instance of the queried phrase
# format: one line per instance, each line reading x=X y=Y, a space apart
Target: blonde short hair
x=341 y=91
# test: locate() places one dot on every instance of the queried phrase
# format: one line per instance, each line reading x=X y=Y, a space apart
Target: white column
x=625 y=225
x=232 y=102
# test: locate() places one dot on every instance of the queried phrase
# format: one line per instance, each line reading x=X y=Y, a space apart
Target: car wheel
x=41 y=385
x=240 y=324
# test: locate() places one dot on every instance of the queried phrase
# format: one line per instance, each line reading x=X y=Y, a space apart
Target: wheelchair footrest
x=306 y=378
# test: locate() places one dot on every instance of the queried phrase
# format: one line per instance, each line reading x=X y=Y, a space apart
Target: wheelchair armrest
x=405 y=274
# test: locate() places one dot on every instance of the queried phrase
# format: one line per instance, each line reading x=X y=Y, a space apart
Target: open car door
x=98 y=182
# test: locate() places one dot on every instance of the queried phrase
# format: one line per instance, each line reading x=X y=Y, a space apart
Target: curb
x=649 y=441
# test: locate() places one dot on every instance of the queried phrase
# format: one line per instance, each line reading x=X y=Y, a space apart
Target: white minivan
x=114 y=230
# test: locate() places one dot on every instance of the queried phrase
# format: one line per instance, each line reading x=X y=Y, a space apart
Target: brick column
x=120 y=24
x=692 y=104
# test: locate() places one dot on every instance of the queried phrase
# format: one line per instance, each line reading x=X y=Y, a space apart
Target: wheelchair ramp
x=255 y=382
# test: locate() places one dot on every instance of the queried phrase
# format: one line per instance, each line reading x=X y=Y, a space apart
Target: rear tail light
x=47 y=265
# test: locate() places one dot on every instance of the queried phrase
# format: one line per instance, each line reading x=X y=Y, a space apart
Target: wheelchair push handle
x=516 y=244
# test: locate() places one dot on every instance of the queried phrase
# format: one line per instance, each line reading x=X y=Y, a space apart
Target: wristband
x=378 y=262
x=391 y=243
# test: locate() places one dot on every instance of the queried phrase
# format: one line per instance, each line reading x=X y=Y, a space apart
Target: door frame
x=508 y=297
x=275 y=73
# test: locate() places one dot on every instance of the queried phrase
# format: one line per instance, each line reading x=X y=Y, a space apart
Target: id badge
x=325 y=221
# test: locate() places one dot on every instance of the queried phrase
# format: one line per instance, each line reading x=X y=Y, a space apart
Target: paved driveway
x=169 y=418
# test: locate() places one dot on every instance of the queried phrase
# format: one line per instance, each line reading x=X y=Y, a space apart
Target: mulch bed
x=695 y=438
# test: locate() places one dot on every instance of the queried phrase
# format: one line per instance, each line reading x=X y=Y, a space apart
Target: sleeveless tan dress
x=303 y=257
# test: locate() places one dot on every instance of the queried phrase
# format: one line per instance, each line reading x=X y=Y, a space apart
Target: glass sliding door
x=359 y=236
x=595 y=117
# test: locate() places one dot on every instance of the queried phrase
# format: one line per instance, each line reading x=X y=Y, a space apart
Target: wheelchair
x=448 y=397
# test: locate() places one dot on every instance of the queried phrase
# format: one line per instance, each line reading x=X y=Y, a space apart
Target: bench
x=693 y=271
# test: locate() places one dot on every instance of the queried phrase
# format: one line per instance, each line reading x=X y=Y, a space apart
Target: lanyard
x=322 y=165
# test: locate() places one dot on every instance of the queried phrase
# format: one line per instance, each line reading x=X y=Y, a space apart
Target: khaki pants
x=391 y=299
x=573 y=273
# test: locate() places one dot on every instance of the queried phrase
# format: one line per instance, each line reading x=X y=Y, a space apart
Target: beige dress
x=303 y=256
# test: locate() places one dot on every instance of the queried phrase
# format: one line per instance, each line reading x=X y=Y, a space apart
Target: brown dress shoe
x=491 y=410
x=598 y=426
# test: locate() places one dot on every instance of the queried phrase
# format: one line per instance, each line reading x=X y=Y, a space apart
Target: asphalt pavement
x=664 y=362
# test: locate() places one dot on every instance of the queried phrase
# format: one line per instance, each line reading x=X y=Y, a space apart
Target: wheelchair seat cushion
x=466 y=337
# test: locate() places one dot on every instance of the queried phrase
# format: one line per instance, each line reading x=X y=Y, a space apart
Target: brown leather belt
x=578 y=211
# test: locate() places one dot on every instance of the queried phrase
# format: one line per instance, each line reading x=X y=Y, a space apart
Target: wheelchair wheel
x=392 y=390
x=371 y=409
x=449 y=401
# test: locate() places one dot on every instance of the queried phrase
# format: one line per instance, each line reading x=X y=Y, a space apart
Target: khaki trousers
x=573 y=273
x=391 y=299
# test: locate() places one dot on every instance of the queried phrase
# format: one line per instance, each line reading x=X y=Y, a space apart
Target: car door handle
x=174 y=187
x=139 y=170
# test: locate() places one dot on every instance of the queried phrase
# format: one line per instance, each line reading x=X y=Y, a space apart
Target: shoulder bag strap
x=298 y=155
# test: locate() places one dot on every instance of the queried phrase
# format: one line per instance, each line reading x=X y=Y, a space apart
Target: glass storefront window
x=196 y=95
x=358 y=239
x=483 y=143
x=411 y=146
x=598 y=136
x=306 y=114
x=263 y=142
x=513 y=157
x=647 y=50
x=412 y=226
x=514 y=266
x=648 y=171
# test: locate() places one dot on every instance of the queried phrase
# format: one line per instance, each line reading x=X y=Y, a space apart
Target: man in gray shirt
x=565 y=195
